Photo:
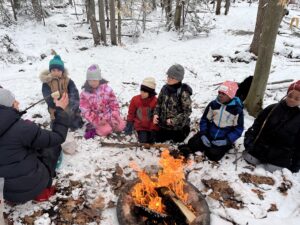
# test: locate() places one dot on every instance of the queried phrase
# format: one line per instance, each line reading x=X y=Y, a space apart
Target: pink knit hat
x=229 y=88
x=294 y=86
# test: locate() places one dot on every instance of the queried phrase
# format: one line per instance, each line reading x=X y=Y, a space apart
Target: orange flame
x=171 y=175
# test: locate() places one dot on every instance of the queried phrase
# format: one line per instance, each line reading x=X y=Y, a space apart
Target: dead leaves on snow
x=254 y=179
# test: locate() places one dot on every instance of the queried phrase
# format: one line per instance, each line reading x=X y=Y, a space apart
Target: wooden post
x=119 y=23
x=113 y=35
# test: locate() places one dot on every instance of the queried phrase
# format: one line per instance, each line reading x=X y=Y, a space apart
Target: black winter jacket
x=279 y=142
x=25 y=175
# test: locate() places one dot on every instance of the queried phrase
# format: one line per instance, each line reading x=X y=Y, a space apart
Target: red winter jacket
x=140 y=112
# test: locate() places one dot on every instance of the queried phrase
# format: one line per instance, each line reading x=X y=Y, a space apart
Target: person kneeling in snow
x=99 y=105
x=29 y=154
x=140 y=112
x=57 y=79
x=220 y=126
x=274 y=138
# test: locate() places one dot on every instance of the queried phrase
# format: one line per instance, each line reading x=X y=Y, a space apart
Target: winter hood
x=8 y=116
x=46 y=76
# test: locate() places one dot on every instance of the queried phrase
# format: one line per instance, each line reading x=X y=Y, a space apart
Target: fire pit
x=165 y=198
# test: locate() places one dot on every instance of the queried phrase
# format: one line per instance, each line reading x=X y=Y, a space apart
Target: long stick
x=134 y=144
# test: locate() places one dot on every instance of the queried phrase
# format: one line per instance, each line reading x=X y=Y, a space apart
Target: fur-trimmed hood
x=46 y=77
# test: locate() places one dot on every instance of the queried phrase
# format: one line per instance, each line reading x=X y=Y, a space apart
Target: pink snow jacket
x=99 y=105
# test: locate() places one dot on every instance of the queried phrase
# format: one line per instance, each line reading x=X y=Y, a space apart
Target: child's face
x=223 y=98
x=94 y=83
x=293 y=98
x=171 y=81
x=144 y=94
x=56 y=73
x=16 y=105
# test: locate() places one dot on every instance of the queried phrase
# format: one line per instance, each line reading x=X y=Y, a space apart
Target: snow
x=151 y=55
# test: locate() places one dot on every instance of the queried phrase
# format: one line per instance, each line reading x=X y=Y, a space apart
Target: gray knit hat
x=6 y=97
x=93 y=73
x=176 y=71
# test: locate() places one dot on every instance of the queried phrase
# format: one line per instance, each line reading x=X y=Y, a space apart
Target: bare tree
x=168 y=9
x=227 y=5
x=119 y=22
x=17 y=4
x=153 y=4
x=258 y=26
x=113 y=35
x=177 y=17
x=144 y=14
x=102 y=20
x=106 y=11
x=13 y=9
x=218 y=7
x=95 y=31
x=90 y=8
x=37 y=9
x=273 y=16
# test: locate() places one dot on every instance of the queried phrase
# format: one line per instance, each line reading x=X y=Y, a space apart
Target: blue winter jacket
x=223 y=121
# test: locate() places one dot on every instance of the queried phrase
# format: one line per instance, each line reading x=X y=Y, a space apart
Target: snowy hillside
x=92 y=169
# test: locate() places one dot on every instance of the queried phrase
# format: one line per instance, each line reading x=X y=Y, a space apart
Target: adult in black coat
x=274 y=138
x=28 y=154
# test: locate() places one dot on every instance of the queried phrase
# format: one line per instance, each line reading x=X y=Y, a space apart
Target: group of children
x=272 y=141
x=167 y=117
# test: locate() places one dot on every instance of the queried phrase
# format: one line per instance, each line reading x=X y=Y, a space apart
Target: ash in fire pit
x=165 y=198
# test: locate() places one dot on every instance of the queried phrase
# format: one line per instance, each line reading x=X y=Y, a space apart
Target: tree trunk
x=17 y=4
x=273 y=16
x=258 y=26
x=95 y=31
x=227 y=5
x=13 y=9
x=37 y=9
x=168 y=9
x=119 y=22
x=177 y=17
x=106 y=11
x=153 y=4
x=87 y=9
x=144 y=15
x=91 y=8
x=71 y=2
x=102 y=20
x=218 y=7
x=113 y=35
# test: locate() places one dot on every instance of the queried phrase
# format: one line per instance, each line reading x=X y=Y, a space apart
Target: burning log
x=175 y=207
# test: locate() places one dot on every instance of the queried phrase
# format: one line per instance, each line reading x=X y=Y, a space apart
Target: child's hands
x=155 y=119
x=169 y=122
x=63 y=102
x=205 y=141
x=219 y=142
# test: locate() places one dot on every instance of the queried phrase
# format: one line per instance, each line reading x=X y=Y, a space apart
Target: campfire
x=162 y=198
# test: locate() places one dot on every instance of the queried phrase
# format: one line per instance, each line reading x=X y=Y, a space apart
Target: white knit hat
x=6 y=97
x=149 y=82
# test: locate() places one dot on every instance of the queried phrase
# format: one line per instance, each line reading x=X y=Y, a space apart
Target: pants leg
x=142 y=136
x=49 y=157
x=215 y=153
x=196 y=144
x=162 y=135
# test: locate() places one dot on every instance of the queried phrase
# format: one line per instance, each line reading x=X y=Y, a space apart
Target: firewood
x=175 y=207
x=134 y=144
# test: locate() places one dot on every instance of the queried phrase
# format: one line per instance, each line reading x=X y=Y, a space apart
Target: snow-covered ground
x=151 y=55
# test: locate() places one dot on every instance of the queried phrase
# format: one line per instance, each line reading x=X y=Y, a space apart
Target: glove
x=205 y=141
x=129 y=128
x=220 y=142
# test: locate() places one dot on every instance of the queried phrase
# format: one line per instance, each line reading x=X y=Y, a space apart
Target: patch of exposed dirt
x=221 y=191
x=68 y=207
